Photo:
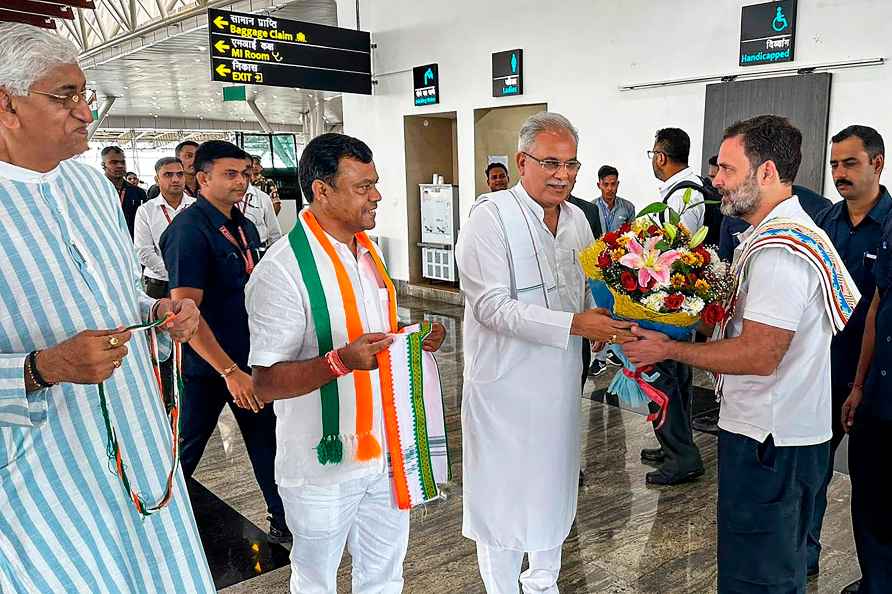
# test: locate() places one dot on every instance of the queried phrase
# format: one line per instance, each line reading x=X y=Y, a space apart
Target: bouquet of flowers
x=659 y=275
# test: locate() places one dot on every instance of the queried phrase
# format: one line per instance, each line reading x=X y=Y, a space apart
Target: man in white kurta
x=346 y=501
x=525 y=295
x=69 y=278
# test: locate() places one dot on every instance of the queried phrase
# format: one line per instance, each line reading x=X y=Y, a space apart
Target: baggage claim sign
x=262 y=50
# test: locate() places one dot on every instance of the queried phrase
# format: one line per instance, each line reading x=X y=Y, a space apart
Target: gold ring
x=116 y=363
x=113 y=341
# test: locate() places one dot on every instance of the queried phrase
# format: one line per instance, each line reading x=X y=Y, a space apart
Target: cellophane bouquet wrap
x=663 y=278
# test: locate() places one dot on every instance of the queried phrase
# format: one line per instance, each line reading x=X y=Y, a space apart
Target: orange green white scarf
x=411 y=395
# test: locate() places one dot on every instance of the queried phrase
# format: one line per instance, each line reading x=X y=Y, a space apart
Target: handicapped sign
x=780 y=20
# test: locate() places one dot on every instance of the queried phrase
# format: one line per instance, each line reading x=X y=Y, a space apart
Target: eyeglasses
x=650 y=154
x=553 y=165
x=71 y=101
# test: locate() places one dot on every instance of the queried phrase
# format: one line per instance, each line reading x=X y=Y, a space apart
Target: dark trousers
x=586 y=359
x=840 y=393
x=202 y=404
x=156 y=289
x=676 y=437
x=869 y=443
x=765 y=504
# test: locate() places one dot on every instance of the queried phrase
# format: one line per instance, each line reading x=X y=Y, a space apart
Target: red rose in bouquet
x=712 y=314
x=628 y=281
x=704 y=255
x=610 y=238
x=604 y=260
x=674 y=301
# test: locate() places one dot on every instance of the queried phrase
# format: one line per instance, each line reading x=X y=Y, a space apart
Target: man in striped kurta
x=69 y=280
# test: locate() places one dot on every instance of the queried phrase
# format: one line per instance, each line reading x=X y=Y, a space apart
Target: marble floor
x=628 y=537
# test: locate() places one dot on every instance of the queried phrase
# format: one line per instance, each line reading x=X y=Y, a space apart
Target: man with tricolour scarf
x=322 y=310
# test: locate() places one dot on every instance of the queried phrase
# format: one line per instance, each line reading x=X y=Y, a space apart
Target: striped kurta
x=66 y=523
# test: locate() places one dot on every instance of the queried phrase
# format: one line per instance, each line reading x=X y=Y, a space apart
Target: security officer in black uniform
x=210 y=250
x=855 y=226
x=867 y=417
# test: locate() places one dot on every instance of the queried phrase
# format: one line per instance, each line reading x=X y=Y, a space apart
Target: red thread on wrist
x=335 y=364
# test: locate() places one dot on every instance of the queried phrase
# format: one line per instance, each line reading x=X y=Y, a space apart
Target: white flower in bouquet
x=654 y=301
x=693 y=305
x=718 y=268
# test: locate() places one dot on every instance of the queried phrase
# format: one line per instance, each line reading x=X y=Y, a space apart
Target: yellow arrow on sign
x=221 y=22
x=222 y=70
x=221 y=46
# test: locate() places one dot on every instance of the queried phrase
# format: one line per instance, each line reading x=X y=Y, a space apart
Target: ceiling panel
x=171 y=79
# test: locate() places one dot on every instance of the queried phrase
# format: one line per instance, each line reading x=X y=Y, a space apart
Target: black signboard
x=427 y=84
x=507 y=73
x=263 y=50
x=767 y=33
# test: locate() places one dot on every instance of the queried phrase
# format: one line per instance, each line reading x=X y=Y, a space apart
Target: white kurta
x=520 y=405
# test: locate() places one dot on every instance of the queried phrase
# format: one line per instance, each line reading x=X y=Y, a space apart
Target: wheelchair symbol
x=780 y=20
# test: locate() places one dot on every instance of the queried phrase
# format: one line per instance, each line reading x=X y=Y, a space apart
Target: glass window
x=259 y=145
x=284 y=151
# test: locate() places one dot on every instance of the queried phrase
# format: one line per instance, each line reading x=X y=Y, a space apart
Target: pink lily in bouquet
x=650 y=262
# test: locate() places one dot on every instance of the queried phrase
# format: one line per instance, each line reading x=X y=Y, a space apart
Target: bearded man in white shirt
x=527 y=307
x=773 y=354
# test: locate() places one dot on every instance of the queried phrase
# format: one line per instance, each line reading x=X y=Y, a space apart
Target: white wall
x=576 y=54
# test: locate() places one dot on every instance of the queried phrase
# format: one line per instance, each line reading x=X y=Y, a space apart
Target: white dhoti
x=360 y=514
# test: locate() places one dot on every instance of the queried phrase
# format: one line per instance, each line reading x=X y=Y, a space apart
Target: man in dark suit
x=114 y=165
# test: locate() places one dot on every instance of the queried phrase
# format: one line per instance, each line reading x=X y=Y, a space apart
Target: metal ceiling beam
x=116 y=15
x=73 y=31
x=103 y=111
x=259 y=115
x=163 y=29
x=150 y=123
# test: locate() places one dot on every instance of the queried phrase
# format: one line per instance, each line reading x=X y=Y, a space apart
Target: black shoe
x=812 y=572
x=278 y=531
x=852 y=588
x=597 y=368
x=706 y=424
x=654 y=455
x=581 y=477
x=612 y=359
x=659 y=477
